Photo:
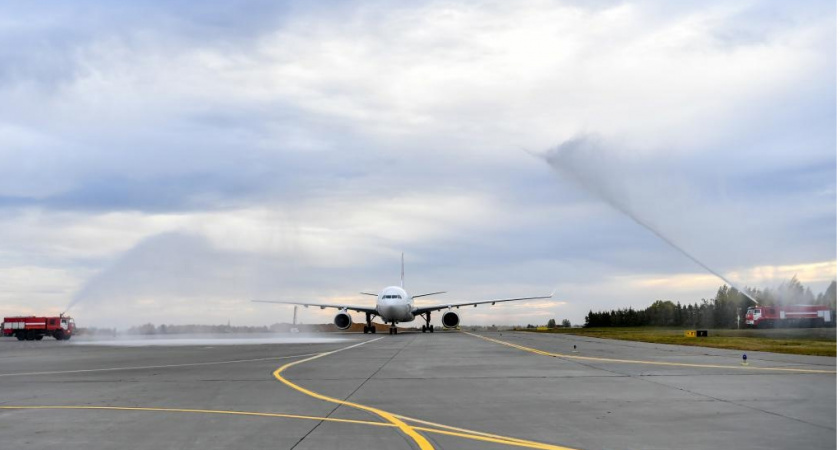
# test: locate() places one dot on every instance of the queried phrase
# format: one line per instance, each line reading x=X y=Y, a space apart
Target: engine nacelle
x=450 y=319
x=343 y=320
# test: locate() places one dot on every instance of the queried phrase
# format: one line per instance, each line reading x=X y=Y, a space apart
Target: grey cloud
x=746 y=189
x=48 y=42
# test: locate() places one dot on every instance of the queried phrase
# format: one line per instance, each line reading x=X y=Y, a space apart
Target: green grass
x=800 y=341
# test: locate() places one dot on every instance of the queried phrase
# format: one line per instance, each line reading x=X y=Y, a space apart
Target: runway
x=444 y=390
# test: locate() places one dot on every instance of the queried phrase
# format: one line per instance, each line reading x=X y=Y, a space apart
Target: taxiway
x=444 y=390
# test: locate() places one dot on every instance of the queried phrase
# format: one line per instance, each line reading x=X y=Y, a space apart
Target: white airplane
x=394 y=305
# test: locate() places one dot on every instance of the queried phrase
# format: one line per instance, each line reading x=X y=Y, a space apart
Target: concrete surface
x=453 y=379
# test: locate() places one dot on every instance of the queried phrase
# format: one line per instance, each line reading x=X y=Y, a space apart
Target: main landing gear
x=370 y=327
x=428 y=327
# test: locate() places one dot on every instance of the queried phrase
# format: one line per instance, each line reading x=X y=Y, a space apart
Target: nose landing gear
x=393 y=329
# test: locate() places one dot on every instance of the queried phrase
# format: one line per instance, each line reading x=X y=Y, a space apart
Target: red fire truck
x=34 y=328
x=789 y=316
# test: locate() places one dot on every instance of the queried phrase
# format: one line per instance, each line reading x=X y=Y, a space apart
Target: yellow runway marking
x=467 y=434
x=163 y=366
x=399 y=422
x=422 y=442
x=207 y=411
x=654 y=363
x=393 y=420
x=504 y=440
x=478 y=435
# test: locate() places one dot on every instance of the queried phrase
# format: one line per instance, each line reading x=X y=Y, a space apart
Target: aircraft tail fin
x=402 y=270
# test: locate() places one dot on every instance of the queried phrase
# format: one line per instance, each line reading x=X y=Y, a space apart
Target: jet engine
x=343 y=320
x=450 y=319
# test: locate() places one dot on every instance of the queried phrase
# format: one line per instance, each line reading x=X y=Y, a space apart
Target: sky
x=168 y=162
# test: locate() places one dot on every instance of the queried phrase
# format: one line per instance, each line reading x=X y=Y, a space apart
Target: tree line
x=718 y=312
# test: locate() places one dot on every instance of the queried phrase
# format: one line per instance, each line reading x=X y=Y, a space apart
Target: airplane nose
x=391 y=309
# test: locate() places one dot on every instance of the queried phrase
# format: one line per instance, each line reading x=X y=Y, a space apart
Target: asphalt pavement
x=447 y=390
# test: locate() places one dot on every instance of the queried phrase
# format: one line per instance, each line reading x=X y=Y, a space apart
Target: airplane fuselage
x=395 y=305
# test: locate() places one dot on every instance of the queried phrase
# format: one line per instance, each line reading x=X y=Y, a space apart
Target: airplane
x=394 y=305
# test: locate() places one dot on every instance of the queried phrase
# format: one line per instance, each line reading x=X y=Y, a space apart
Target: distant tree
x=678 y=315
x=661 y=313
x=565 y=323
x=551 y=323
x=147 y=328
x=829 y=297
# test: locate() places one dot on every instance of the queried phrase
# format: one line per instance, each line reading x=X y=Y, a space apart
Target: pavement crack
x=346 y=398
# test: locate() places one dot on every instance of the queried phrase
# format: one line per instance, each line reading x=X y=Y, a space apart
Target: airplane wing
x=362 y=309
x=424 y=309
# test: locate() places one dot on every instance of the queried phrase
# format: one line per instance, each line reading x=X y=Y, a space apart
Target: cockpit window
x=392 y=296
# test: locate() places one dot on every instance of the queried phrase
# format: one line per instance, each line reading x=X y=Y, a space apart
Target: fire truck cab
x=753 y=316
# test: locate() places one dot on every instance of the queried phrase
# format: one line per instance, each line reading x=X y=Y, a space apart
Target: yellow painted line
x=411 y=431
x=654 y=363
x=207 y=411
x=421 y=441
x=394 y=420
x=164 y=366
x=472 y=434
x=467 y=433
x=504 y=440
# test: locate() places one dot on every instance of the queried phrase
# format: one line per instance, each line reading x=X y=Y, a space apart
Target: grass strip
x=801 y=341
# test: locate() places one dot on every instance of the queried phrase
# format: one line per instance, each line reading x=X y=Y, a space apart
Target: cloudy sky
x=170 y=161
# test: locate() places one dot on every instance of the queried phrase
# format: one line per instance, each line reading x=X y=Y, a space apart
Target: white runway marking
x=199 y=341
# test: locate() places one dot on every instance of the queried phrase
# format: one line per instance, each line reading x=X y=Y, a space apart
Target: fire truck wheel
x=59 y=335
x=30 y=336
x=39 y=337
x=67 y=337
x=20 y=336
